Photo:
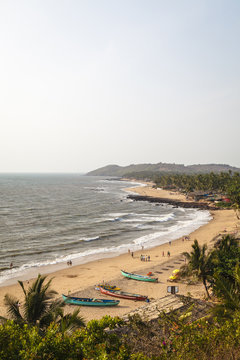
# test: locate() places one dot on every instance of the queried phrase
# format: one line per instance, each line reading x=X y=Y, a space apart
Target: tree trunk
x=206 y=288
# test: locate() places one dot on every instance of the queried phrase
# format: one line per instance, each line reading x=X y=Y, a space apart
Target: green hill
x=116 y=170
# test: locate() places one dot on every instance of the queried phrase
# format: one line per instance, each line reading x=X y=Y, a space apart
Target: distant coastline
x=143 y=170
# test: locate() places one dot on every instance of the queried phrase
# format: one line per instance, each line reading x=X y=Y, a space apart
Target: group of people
x=145 y=257
x=69 y=263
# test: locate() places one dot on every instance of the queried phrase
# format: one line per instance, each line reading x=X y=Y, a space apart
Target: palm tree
x=200 y=263
x=229 y=293
x=227 y=255
x=70 y=322
x=37 y=308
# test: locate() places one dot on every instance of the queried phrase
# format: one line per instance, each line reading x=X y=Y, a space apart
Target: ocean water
x=51 y=219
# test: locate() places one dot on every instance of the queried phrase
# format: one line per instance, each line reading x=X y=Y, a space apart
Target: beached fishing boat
x=139 y=277
x=89 y=301
x=107 y=286
x=123 y=295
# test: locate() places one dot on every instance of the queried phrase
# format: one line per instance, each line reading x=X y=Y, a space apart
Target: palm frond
x=22 y=286
x=187 y=255
x=70 y=322
x=13 y=305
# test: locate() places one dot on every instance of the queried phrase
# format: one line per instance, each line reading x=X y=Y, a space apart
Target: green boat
x=139 y=277
x=89 y=301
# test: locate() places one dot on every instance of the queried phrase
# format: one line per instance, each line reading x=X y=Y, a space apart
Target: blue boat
x=139 y=277
x=89 y=301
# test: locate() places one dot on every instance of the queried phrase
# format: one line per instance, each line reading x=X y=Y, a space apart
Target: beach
x=80 y=280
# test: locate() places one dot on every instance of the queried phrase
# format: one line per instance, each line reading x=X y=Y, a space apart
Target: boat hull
x=139 y=277
x=123 y=295
x=107 y=286
x=89 y=301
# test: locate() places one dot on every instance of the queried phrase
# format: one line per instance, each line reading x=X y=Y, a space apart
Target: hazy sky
x=87 y=83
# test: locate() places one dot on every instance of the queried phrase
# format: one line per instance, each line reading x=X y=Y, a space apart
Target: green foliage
x=93 y=342
x=179 y=338
x=220 y=268
x=203 y=340
x=217 y=269
x=96 y=340
x=227 y=255
x=228 y=291
x=223 y=182
x=200 y=263
x=36 y=307
x=16 y=341
x=38 y=310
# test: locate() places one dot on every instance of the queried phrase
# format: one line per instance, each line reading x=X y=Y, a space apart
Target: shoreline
x=25 y=273
x=79 y=280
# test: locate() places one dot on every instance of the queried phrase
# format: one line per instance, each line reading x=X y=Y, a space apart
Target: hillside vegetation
x=116 y=170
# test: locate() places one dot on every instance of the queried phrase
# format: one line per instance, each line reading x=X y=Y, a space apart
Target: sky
x=87 y=83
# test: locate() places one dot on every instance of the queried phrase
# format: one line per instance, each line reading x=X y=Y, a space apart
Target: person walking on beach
x=132 y=254
x=163 y=253
x=168 y=253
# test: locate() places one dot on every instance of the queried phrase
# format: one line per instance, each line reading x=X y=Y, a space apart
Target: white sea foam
x=90 y=238
x=157 y=218
x=198 y=218
x=79 y=224
x=128 y=217
x=181 y=228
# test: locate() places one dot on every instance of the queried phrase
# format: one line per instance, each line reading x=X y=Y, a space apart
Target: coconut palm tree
x=70 y=322
x=200 y=264
x=227 y=255
x=229 y=294
x=38 y=307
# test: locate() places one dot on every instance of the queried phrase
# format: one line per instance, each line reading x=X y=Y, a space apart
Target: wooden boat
x=89 y=301
x=139 y=277
x=107 y=286
x=123 y=295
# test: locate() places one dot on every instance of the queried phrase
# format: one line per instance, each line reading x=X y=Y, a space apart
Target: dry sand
x=80 y=280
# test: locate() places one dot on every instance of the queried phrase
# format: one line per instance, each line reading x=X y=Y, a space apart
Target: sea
x=46 y=220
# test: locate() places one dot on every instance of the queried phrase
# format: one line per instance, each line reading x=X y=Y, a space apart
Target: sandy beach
x=80 y=280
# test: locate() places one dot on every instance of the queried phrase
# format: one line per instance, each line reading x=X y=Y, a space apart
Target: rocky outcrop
x=176 y=203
